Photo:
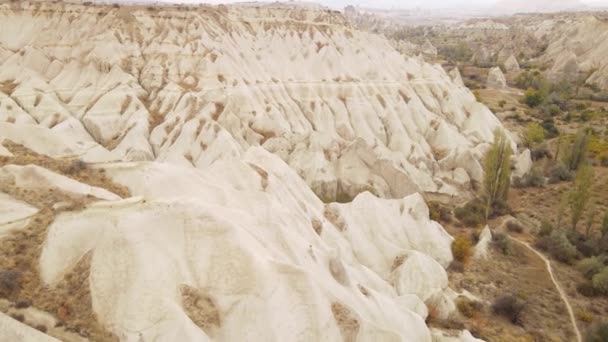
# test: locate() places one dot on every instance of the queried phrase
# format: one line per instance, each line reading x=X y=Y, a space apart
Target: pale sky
x=392 y=3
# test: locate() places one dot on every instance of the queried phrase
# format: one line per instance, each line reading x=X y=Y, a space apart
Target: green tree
x=534 y=134
x=575 y=155
x=497 y=172
x=579 y=196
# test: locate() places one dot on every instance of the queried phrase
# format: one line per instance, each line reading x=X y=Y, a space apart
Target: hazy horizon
x=392 y=4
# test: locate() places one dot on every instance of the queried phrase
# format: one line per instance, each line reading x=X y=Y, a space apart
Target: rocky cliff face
x=210 y=133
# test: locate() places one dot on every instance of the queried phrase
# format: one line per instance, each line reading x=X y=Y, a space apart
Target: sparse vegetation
x=597 y=333
x=600 y=281
x=558 y=245
x=589 y=267
x=469 y=308
x=472 y=214
x=438 y=212
x=502 y=242
x=510 y=307
x=462 y=249
x=534 y=134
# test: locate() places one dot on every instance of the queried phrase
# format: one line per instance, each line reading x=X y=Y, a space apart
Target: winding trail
x=562 y=294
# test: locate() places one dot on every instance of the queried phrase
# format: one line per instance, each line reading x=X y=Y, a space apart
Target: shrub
x=560 y=173
x=503 y=243
x=468 y=308
x=533 y=98
x=546 y=228
x=510 y=307
x=590 y=266
x=539 y=152
x=462 y=249
x=534 y=178
x=584 y=316
x=456 y=266
x=560 y=247
x=586 y=289
x=550 y=130
x=502 y=103
x=597 y=333
x=534 y=134
x=9 y=282
x=439 y=212
x=471 y=214
x=600 y=281
x=23 y=303
x=515 y=226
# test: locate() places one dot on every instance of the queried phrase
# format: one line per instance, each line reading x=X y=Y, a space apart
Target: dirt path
x=562 y=294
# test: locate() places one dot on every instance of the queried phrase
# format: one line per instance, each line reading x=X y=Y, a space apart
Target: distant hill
x=528 y=6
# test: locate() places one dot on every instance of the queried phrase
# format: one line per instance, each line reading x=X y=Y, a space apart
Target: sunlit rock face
x=236 y=131
x=341 y=107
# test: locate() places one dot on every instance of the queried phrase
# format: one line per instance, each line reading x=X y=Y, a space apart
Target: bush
x=560 y=173
x=515 y=226
x=584 y=316
x=586 y=289
x=546 y=228
x=468 y=308
x=590 y=266
x=9 y=282
x=510 y=307
x=439 y=213
x=558 y=245
x=462 y=249
x=503 y=243
x=539 y=152
x=502 y=103
x=597 y=333
x=550 y=130
x=534 y=178
x=534 y=134
x=533 y=98
x=471 y=214
x=600 y=281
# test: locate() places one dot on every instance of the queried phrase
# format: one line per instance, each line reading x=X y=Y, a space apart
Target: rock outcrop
x=178 y=171
x=496 y=79
x=511 y=64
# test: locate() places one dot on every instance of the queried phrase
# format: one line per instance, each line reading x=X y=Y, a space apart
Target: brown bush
x=469 y=308
x=9 y=282
x=510 y=307
x=462 y=249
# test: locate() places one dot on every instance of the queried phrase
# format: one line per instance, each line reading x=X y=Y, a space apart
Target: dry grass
x=347 y=322
x=200 y=308
x=521 y=273
x=69 y=300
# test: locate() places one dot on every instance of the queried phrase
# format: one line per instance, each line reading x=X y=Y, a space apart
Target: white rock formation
x=13 y=330
x=228 y=124
x=511 y=64
x=481 y=249
x=496 y=79
x=342 y=108
x=463 y=336
x=522 y=164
